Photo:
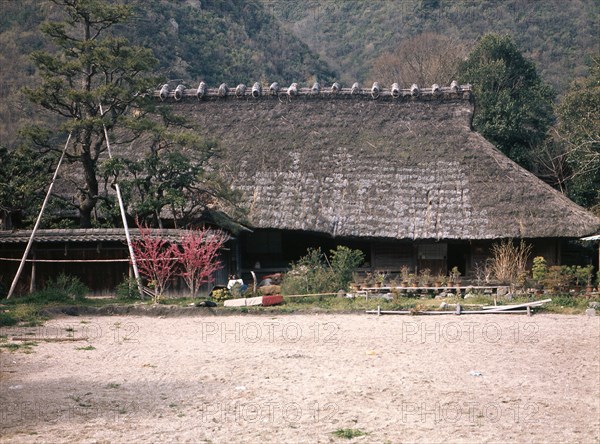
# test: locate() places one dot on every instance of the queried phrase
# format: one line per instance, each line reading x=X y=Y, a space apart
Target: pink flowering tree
x=156 y=260
x=198 y=256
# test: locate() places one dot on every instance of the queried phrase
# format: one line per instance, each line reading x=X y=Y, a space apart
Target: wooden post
x=37 y=222
x=254 y=282
x=32 y=282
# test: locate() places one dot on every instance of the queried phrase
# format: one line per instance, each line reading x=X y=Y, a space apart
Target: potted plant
x=356 y=285
x=379 y=278
x=404 y=275
x=425 y=277
x=440 y=280
x=455 y=275
x=369 y=279
x=412 y=280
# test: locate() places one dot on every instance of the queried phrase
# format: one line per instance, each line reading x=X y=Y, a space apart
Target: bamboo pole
x=37 y=222
x=68 y=261
x=124 y=217
x=309 y=295
x=416 y=313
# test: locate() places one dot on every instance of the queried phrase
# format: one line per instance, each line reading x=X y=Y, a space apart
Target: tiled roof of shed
x=84 y=235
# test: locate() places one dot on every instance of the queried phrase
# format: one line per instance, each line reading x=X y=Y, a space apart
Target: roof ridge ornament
x=375 y=90
x=274 y=88
x=241 y=91
x=164 y=92
x=292 y=90
x=179 y=92
x=256 y=90
x=201 y=91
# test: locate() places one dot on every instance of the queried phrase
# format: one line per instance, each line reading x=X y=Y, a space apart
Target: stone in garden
x=501 y=291
x=469 y=295
x=341 y=294
x=508 y=296
x=270 y=290
x=590 y=312
x=594 y=304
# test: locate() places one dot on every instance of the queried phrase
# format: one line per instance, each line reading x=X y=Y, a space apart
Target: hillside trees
x=513 y=105
x=23 y=174
x=578 y=130
x=425 y=59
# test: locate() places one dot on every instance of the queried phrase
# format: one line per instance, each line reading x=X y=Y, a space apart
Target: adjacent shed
x=97 y=256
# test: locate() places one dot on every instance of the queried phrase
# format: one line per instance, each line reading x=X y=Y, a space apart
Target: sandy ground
x=298 y=378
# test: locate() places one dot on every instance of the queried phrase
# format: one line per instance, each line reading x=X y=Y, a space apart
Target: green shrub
x=127 y=289
x=221 y=294
x=349 y=433
x=62 y=289
x=564 y=300
x=6 y=320
x=315 y=273
x=344 y=261
x=558 y=277
x=66 y=287
x=583 y=275
x=539 y=269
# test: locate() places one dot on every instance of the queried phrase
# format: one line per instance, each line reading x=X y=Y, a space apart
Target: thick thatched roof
x=405 y=167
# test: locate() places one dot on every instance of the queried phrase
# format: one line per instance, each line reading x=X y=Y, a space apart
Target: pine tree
x=91 y=66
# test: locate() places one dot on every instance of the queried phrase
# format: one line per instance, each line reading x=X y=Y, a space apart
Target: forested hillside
x=559 y=36
x=218 y=41
x=536 y=45
x=246 y=40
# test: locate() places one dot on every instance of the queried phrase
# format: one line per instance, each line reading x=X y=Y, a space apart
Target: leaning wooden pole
x=136 y=272
x=37 y=222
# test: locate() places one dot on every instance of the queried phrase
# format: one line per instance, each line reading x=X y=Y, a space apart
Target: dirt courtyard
x=300 y=378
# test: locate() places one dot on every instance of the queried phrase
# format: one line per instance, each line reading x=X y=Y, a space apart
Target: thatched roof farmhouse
x=398 y=173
